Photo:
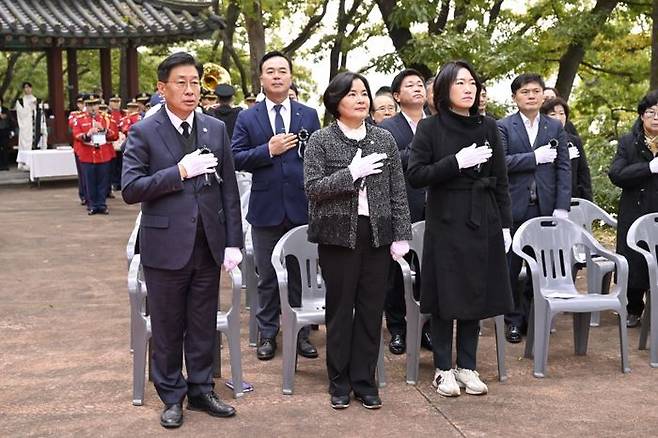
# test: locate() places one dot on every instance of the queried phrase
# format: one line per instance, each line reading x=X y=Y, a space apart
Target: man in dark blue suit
x=408 y=89
x=179 y=165
x=265 y=143
x=539 y=173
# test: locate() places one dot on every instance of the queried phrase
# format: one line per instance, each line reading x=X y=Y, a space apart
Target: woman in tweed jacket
x=359 y=216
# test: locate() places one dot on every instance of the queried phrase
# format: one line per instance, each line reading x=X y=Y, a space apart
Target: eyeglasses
x=650 y=113
x=385 y=108
x=182 y=85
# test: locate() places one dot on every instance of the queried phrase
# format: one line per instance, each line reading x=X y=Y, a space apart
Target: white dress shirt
x=531 y=127
x=413 y=125
x=285 y=113
x=176 y=121
x=357 y=134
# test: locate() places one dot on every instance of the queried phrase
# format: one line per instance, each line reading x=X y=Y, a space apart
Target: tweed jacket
x=334 y=196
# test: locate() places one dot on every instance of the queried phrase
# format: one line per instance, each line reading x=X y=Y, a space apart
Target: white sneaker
x=445 y=383
x=470 y=380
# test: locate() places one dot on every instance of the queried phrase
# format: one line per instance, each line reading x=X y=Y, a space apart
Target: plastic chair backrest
x=244 y=182
x=643 y=237
x=417 y=239
x=552 y=240
x=132 y=247
x=295 y=243
x=244 y=208
x=584 y=213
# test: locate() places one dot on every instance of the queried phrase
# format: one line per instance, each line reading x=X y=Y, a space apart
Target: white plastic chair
x=644 y=231
x=599 y=269
x=551 y=241
x=312 y=311
x=131 y=246
x=227 y=322
x=416 y=319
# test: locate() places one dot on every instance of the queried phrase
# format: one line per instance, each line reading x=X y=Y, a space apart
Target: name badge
x=98 y=138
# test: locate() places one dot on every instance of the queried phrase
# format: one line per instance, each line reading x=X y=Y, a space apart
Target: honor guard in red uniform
x=132 y=116
x=94 y=131
x=143 y=99
x=117 y=115
x=73 y=115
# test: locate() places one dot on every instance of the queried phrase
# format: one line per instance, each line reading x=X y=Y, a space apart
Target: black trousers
x=522 y=293
x=356 y=282
x=82 y=189
x=395 y=309
x=269 y=303
x=97 y=184
x=635 y=304
x=183 y=308
x=467 y=343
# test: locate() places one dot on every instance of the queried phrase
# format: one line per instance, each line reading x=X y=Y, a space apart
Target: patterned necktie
x=279 y=127
x=186 y=129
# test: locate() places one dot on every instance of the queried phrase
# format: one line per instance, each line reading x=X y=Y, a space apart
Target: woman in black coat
x=581 y=181
x=458 y=155
x=635 y=170
x=6 y=131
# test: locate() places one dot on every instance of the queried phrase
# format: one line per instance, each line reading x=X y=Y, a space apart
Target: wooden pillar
x=106 y=73
x=56 y=94
x=72 y=75
x=132 y=67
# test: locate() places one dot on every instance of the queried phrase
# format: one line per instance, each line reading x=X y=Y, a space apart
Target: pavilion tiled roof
x=103 y=23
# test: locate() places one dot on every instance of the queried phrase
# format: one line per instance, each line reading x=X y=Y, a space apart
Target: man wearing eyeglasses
x=266 y=143
x=190 y=227
x=539 y=173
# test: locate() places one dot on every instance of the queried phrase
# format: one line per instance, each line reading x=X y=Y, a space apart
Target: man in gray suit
x=179 y=165
x=539 y=177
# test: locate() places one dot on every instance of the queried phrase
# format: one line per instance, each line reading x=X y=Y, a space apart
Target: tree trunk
x=654 y=46
x=9 y=75
x=570 y=61
x=232 y=14
x=256 y=34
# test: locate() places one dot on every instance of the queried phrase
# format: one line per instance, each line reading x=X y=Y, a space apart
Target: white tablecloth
x=51 y=162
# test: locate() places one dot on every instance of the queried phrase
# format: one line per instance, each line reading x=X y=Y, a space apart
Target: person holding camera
x=94 y=131
x=539 y=173
x=267 y=143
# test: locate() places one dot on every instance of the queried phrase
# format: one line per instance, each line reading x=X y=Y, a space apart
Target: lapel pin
x=205 y=129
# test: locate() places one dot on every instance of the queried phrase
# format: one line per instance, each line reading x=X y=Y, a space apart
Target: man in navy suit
x=408 y=89
x=265 y=143
x=539 y=177
x=178 y=164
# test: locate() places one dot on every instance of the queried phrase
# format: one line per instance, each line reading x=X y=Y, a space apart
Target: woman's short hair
x=445 y=79
x=550 y=104
x=338 y=88
x=649 y=100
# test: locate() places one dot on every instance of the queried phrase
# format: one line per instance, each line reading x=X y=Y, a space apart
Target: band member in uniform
x=225 y=111
x=72 y=120
x=117 y=115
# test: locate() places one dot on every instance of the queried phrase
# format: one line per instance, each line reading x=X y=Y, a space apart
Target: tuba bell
x=214 y=75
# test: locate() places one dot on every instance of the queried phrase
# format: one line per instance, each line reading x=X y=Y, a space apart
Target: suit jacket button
x=193 y=220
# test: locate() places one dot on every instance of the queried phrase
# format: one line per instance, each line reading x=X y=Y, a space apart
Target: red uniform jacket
x=87 y=152
x=128 y=121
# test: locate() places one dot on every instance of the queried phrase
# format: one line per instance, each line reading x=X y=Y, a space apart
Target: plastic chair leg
x=646 y=324
x=581 y=323
x=381 y=372
x=414 y=329
x=530 y=338
x=499 y=327
x=236 y=358
x=252 y=297
x=594 y=286
x=139 y=372
x=652 y=322
x=289 y=351
x=217 y=357
x=623 y=341
x=542 y=339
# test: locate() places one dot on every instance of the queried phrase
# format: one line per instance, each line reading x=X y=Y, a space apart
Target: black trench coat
x=639 y=196
x=464 y=266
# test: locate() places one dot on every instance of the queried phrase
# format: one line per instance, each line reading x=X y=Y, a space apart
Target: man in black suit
x=539 y=173
x=225 y=111
x=178 y=164
x=408 y=89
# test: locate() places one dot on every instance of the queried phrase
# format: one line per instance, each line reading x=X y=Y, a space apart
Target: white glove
x=560 y=214
x=573 y=152
x=364 y=166
x=507 y=239
x=653 y=165
x=472 y=156
x=196 y=163
x=232 y=258
x=545 y=154
x=399 y=248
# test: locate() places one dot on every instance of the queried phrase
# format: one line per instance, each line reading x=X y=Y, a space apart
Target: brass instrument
x=213 y=75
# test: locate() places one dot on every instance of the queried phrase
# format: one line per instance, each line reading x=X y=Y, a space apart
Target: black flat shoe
x=397 y=344
x=513 y=334
x=370 y=401
x=306 y=349
x=92 y=212
x=266 y=349
x=340 y=401
x=172 y=416
x=633 y=321
x=211 y=404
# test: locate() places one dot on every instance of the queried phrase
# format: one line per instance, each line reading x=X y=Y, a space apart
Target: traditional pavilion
x=57 y=25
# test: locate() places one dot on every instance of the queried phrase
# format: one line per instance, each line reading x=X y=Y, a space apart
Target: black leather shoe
x=397 y=344
x=92 y=212
x=83 y=201
x=306 y=349
x=426 y=340
x=633 y=321
x=103 y=211
x=370 y=401
x=172 y=416
x=340 y=401
x=266 y=349
x=211 y=404
x=513 y=334
x=110 y=195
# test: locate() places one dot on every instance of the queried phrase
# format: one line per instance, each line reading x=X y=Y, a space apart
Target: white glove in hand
x=545 y=154
x=472 y=156
x=399 y=248
x=560 y=214
x=232 y=258
x=653 y=165
x=573 y=152
x=196 y=163
x=364 y=166
x=507 y=239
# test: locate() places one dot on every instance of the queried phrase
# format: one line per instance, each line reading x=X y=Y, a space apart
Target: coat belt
x=479 y=188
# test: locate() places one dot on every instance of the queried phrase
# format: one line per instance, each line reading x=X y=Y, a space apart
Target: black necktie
x=186 y=129
x=279 y=127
